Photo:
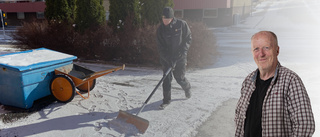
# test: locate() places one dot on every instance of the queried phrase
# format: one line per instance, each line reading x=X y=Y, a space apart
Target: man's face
x=166 y=21
x=265 y=52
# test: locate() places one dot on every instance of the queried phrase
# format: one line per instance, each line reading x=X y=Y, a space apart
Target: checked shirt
x=286 y=110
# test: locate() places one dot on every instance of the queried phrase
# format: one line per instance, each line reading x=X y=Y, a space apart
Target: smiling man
x=265 y=52
x=274 y=101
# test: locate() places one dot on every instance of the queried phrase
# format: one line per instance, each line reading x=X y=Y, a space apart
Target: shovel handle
x=154 y=90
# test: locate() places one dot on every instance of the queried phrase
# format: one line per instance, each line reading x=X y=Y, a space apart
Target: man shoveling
x=173 y=40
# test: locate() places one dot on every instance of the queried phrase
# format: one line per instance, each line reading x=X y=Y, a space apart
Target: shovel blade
x=140 y=123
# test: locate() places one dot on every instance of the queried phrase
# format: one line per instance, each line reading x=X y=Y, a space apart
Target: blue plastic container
x=20 y=86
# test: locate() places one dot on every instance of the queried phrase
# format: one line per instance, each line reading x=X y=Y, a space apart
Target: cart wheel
x=62 y=88
x=84 y=87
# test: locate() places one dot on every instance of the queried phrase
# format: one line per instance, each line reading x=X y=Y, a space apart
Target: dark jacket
x=173 y=40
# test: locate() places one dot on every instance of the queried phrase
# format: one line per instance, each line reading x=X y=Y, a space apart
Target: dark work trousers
x=179 y=74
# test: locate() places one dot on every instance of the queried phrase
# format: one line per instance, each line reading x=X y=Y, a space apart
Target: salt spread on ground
x=33 y=57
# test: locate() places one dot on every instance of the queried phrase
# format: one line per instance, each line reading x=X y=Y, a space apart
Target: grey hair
x=273 y=35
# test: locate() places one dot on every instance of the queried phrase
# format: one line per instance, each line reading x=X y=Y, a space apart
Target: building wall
x=241 y=10
x=12 y=19
x=224 y=18
x=229 y=12
x=242 y=7
x=221 y=17
x=193 y=14
x=106 y=5
x=201 y=4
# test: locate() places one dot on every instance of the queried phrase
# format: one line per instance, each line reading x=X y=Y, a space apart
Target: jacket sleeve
x=300 y=109
x=185 y=41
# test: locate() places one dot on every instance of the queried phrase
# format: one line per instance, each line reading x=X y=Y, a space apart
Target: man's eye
x=266 y=48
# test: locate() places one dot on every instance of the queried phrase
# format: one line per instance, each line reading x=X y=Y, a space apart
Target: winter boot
x=188 y=93
x=163 y=105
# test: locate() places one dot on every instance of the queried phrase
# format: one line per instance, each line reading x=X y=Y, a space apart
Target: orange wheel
x=84 y=87
x=62 y=88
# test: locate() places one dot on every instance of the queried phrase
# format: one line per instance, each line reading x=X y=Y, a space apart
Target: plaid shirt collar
x=254 y=77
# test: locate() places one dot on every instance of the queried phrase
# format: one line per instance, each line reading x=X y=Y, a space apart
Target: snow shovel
x=140 y=123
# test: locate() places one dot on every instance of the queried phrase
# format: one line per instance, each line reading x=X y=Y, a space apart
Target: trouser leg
x=179 y=74
x=166 y=85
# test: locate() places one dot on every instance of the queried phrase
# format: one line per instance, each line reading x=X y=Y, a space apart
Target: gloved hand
x=180 y=55
x=166 y=59
x=173 y=64
x=177 y=56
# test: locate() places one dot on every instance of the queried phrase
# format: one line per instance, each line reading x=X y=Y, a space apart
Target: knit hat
x=168 y=12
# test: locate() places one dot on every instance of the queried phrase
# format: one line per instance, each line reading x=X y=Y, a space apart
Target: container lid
x=33 y=59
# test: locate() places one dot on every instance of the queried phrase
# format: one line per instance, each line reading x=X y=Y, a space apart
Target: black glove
x=173 y=64
x=180 y=55
x=177 y=56
x=167 y=59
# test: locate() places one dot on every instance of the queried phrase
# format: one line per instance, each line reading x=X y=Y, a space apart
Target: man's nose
x=262 y=52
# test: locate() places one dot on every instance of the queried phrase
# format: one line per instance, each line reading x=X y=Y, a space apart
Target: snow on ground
x=32 y=57
x=294 y=21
